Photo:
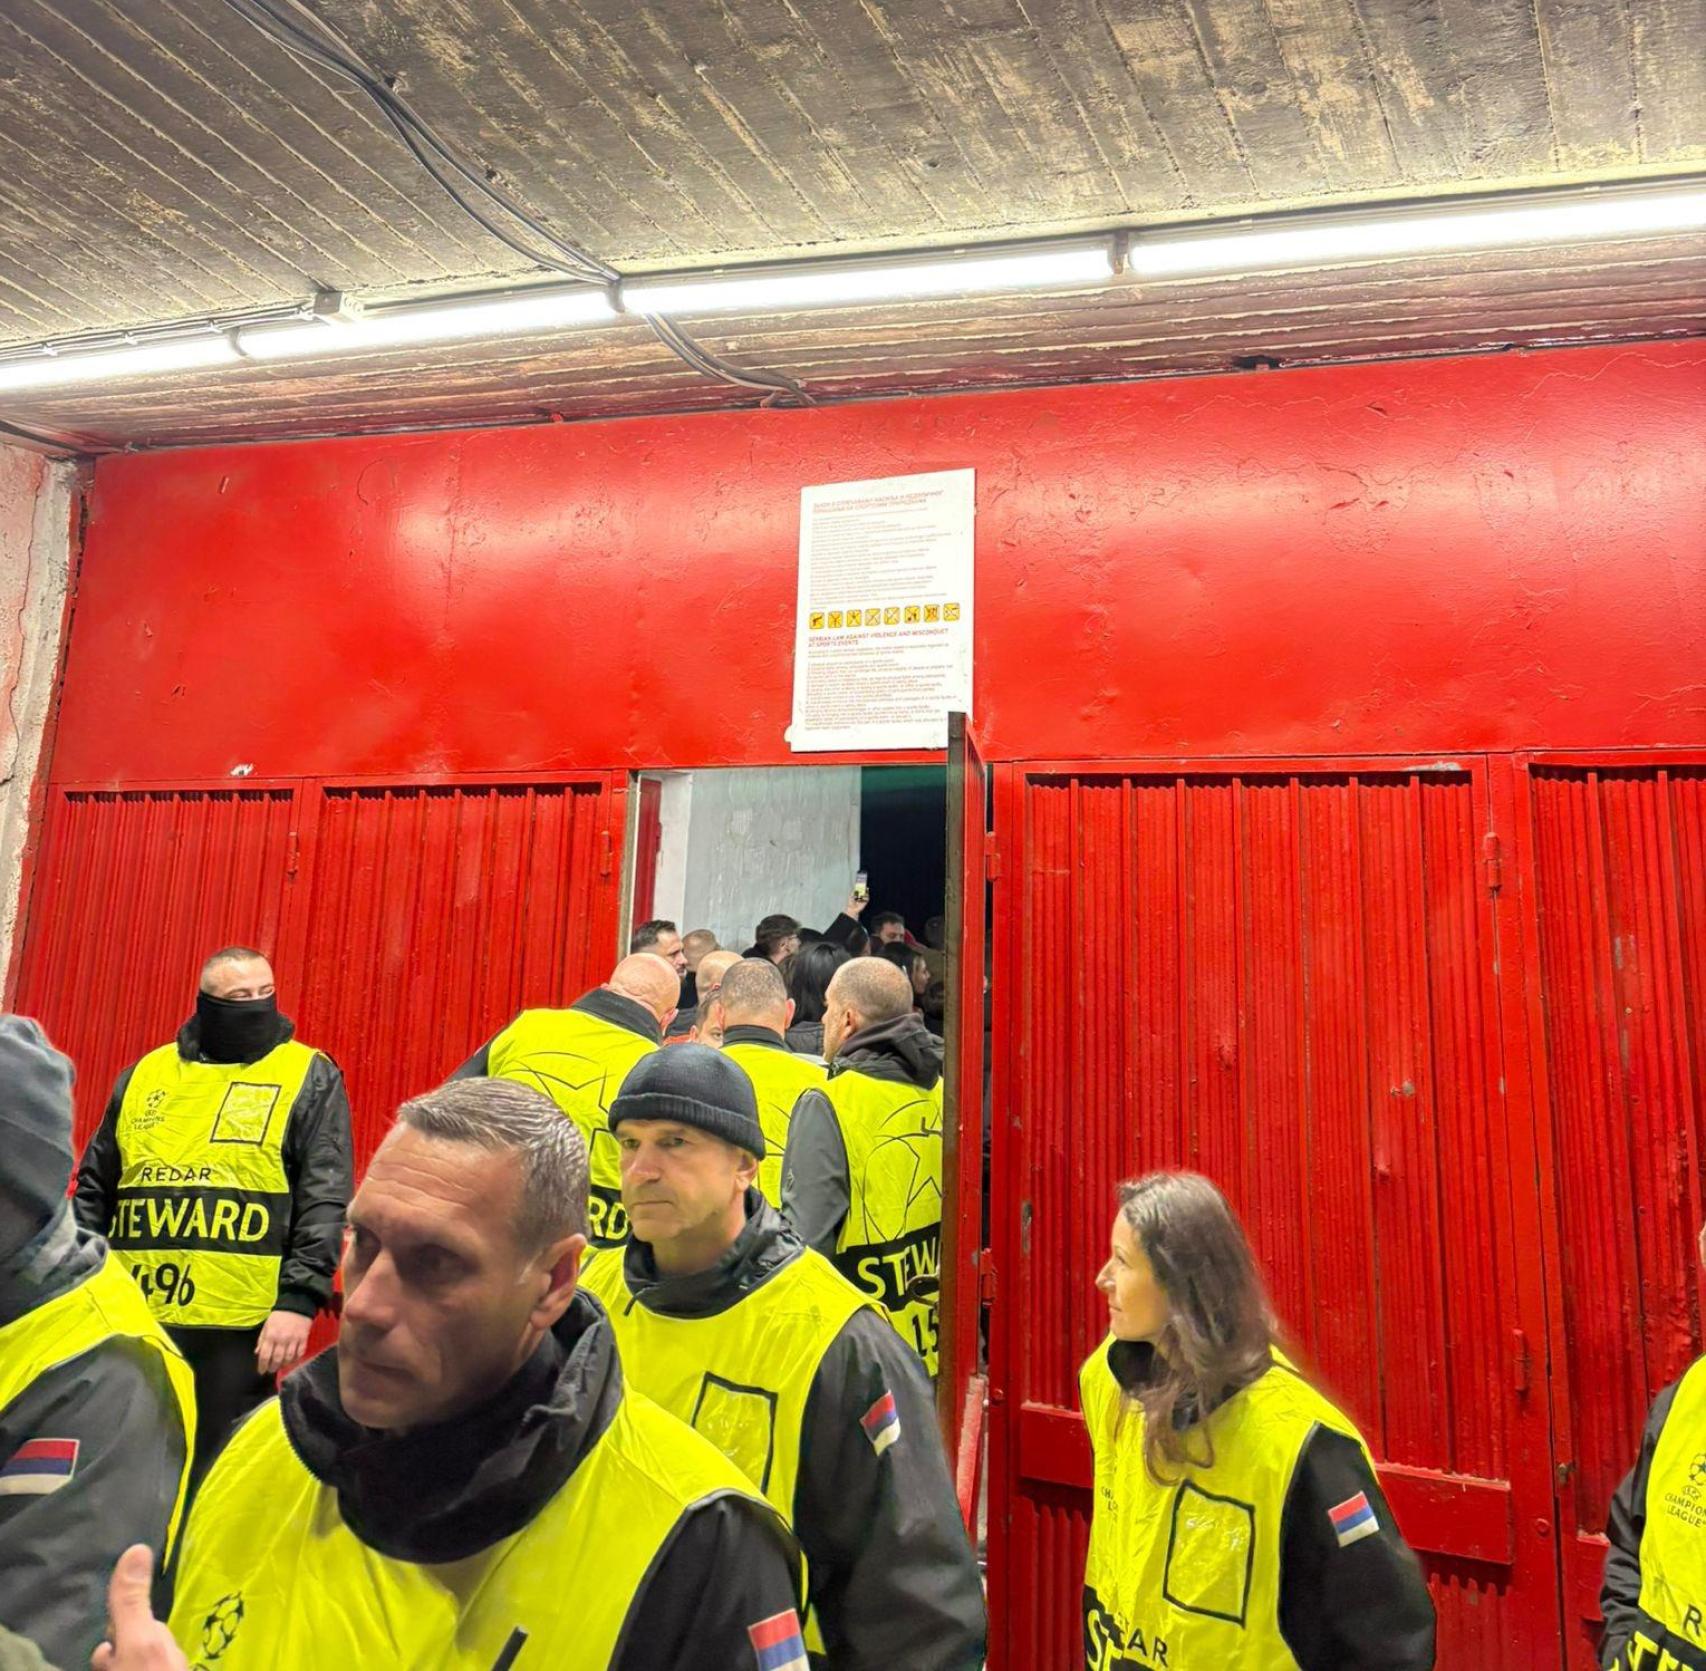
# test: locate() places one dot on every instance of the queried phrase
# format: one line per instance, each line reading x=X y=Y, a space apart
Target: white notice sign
x=882 y=641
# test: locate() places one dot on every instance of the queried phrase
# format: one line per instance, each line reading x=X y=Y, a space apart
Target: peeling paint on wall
x=35 y=564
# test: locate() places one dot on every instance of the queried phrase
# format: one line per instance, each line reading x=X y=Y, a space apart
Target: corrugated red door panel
x=436 y=912
x=1286 y=980
x=1619 y=857
x=132 y=890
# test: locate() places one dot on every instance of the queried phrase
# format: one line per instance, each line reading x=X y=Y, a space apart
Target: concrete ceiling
x=162 y=159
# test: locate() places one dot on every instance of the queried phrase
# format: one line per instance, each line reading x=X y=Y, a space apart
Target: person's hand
x=138 y=1641
x=284 y=1338
x=855 y=906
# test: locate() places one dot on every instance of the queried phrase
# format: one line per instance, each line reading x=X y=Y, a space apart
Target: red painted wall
x=1433 y=556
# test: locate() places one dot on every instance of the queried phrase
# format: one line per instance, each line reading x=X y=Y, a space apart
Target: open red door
x=960 y=1386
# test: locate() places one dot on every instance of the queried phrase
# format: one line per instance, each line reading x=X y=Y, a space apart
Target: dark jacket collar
x=903 y=1051
x=189 y=1039
x=766 y=1036
x=445 y=1492
x=630 y=1013
x=766 y=1246
x=51 y=1264
x=1133 y=1365
x=805 y=1038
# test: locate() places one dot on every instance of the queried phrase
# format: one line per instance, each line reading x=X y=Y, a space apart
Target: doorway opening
x=721 y=849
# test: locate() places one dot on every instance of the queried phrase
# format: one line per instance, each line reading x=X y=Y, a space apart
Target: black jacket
x=892 y=1576
x=1620 y=1591
x=1362 y=1607
x=114 y=1401
x=816 y=1188
x=841 y=931
x=805 y=1038
x=317 y=1161
x=446 y=1492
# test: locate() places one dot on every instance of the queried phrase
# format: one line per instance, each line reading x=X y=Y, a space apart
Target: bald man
x=862 y=1178
x=695 y=1023
x=579 y=1057
x=751 y=1014
x=696 y=943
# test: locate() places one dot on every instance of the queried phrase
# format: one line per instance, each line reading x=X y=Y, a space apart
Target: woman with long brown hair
x=1238 y=1524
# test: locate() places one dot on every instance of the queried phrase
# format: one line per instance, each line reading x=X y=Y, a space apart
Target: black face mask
x=236 y=1030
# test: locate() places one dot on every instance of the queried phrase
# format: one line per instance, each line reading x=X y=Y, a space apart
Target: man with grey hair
x=219 y=1177
x=862 y=1179
x=466 y=1480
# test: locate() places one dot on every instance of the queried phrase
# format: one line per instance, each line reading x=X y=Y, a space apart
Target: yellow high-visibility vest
x=201 y=1217
x=742 y=1376
x=779 y=1079
x=105 y=1305
x=273 y=1580
x=1187 y=1575
x=890 y=1243
x=579 y=1061
x=1672 y=1629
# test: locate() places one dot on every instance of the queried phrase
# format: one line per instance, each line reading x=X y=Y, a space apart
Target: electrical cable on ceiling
x=329 y=51
x=316 y=42
x=678 y=341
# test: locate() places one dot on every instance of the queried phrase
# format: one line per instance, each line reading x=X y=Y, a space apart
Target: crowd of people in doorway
x=807 y=958
x=637 y=1326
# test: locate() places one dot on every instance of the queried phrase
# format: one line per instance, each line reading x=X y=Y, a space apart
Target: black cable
x=334 y=55
x=320 y=44
x=707 y=364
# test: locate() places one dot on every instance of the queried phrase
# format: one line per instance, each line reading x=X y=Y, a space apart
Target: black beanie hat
x=693 y=1085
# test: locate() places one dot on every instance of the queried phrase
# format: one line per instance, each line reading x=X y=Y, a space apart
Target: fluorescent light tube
x=1311 y=240
x=839 y=283
x=401 y=327
x=108 y=365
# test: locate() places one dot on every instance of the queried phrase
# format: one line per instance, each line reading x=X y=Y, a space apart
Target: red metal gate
x=434 y=913
x=1616 y=850
x=406 y=921
x=131 y=889
x=1287 y=977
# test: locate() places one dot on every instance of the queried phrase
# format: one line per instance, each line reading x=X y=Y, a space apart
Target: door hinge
x=606 y=848
x=1492 y=856
x=1522 y=1361
x=985 y=1277
x=991 y=857
x=292 y=856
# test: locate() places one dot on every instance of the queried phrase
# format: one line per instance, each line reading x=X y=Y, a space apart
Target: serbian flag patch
x=1353 y=1519
x=881 y=1423
x=38 y=1467
x=778 y=1643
